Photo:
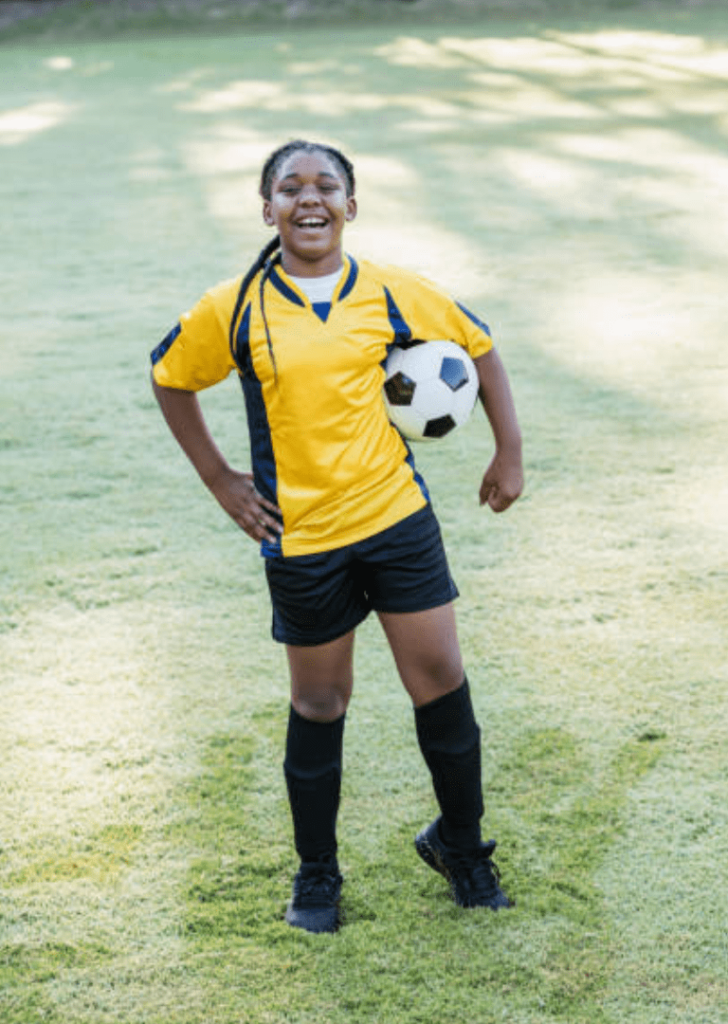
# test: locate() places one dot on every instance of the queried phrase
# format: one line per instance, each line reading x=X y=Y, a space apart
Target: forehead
x=308 y=165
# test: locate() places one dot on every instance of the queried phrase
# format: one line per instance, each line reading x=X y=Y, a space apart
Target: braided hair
x=276 y=159
x=266 y=259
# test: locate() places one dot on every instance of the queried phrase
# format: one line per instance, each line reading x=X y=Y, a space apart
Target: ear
x=268 y=213
x=351 y=208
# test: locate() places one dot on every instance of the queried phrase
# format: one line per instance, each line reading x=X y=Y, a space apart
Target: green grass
x=568 y=183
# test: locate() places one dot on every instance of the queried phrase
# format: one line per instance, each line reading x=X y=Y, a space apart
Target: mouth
x=312 y=222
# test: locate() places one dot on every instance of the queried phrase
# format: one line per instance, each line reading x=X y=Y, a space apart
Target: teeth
x=312 y=222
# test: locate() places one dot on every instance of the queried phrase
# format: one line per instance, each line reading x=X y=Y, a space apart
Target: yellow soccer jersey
x=322 y=446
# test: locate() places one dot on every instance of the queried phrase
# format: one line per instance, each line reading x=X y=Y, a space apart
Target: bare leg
x=321 y=684
x=322 y=678
x=426 y=651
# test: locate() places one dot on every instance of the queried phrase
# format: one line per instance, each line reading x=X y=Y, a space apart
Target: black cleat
x=472 y=875
x=316 y=894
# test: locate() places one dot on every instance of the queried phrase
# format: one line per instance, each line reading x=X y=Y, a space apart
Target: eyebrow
x=321 y=174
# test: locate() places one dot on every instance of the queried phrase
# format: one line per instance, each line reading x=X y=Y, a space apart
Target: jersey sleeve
x=196 y=352
x=433 y=315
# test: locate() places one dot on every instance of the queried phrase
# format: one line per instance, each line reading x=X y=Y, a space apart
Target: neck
x=296 y=266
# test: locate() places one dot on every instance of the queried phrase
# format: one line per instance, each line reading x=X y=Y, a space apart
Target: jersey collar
x=283 y=284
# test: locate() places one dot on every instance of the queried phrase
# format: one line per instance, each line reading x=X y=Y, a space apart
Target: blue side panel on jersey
x=476 y=320
x=400 y=327
x=351 y=279
x=322 y=310
x=402 y=335
x=277 y=281
x=419 y=480
x=242 y=342
x=265 y=474
x=164 y=346
x=261 y=449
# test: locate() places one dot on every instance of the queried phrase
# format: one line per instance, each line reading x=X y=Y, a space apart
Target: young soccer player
x=334 y=500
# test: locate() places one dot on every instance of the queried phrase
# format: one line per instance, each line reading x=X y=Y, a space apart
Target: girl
x=335 y=502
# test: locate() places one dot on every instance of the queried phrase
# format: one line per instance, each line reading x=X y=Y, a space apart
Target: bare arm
x=503 y=480
x=234 y=491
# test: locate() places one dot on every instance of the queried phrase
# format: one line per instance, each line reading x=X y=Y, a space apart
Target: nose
x=309 y=195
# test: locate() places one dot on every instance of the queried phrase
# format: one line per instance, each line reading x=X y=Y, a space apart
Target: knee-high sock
x=313 y=776
x=449 y=739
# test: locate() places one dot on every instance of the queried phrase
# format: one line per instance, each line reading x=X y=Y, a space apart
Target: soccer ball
x=430 y=389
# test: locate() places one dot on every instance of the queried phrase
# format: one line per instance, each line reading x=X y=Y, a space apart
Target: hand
x=237 y=494
x=503 y=481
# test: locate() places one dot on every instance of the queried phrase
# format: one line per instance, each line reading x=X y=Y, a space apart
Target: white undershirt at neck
x=318 y=289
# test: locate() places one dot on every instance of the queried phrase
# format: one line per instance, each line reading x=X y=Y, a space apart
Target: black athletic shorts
x=317 y=598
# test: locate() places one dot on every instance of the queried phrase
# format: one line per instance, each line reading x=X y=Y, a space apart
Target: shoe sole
x=431 y=857
x=317 y=922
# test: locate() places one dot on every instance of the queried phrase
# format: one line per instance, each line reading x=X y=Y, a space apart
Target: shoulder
x=223 y=295
x=419 y=308
x=214 y=309
x=411 y=293
x=390 y=276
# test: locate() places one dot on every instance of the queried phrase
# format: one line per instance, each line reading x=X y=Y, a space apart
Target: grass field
x=567 y=179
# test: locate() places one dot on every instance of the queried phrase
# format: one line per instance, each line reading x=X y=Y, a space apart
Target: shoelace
x=317 y=887
x=478 y=874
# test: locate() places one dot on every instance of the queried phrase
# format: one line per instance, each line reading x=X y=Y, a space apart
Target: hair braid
x=261 y=262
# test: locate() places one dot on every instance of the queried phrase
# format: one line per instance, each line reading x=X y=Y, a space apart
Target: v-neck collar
x=289 y=290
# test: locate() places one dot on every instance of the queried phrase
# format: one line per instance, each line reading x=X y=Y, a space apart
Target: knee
x=428 y=680
x=442 y=669
x=325 y=706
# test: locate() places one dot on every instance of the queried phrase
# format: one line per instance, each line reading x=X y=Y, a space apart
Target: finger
x=500 y=502
x=266 y=528
x=265 y=522
x=487 y=491
x=263 y=502
x=273 y=509
x=495 y=500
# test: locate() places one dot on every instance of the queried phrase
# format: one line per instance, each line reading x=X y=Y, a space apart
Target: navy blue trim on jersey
x=351 y=279
x=265 y=474
x=400 y=327
x=476 y=320
x=165 y=345
x=241 y=349
x=277 y=281
x=322 y=310
x=419 y=480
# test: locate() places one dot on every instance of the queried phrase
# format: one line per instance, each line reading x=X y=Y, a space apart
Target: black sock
x=449 y=739
x=313 y=775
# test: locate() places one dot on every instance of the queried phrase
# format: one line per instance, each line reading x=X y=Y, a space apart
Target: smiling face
x=309 y=207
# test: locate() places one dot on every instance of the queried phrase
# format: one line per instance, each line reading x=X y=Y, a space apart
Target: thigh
x=322 y=678
x=426 y=651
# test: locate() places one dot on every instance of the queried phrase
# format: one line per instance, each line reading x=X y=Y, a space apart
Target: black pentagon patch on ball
x=454 y=373
x=439 y=427
x=400 y=389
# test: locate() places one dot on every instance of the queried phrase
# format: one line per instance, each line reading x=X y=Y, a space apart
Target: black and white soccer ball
x=430 y=389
